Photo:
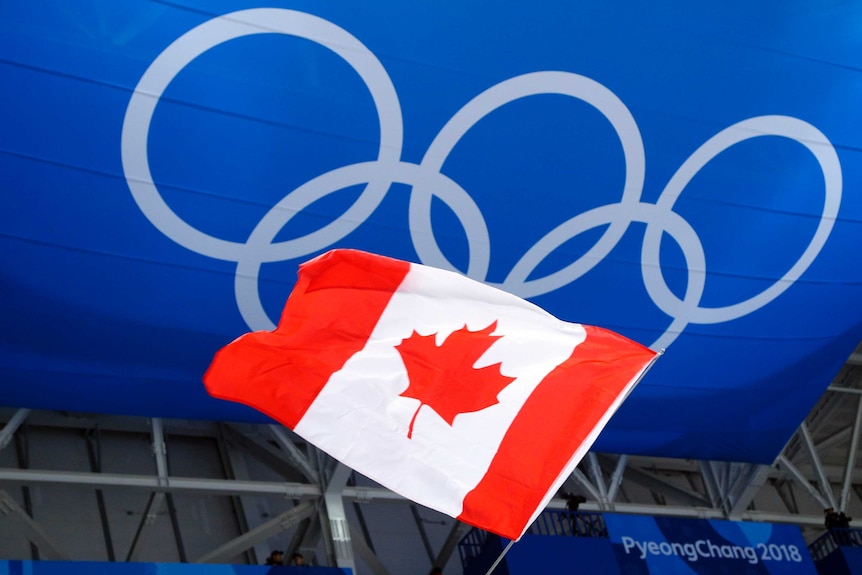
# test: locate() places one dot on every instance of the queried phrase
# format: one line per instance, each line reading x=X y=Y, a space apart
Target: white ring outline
x=388 y=169
x=532 y=84
x=784 y=126
x=182 y=52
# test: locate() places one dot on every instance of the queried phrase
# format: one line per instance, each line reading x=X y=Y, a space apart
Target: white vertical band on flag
x=359 y=417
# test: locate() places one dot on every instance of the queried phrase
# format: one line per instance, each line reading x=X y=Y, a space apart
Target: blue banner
x=685 y=174
x=549 y=555
x=675 y=546
x=17 y=567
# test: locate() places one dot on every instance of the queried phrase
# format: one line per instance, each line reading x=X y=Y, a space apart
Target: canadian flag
x=452 y=393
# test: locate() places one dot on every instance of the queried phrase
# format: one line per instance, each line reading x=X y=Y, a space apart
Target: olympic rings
x=427 y=181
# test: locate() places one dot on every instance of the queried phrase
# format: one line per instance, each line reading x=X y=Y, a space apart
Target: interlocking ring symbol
x=428 y=181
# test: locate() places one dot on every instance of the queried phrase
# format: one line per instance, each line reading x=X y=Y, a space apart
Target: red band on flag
x=328 y=317
x=547 y=431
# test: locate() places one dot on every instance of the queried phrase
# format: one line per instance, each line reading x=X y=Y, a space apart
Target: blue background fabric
x=686 y=175
x=18 y=567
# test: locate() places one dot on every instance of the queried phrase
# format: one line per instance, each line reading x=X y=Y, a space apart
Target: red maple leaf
x=444 y=379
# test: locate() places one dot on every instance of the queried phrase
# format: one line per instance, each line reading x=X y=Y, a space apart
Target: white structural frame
x=819 y=464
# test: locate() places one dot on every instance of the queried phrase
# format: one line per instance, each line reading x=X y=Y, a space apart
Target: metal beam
x=784 y=488
x=148 y=517
x=175 y=525
x=360 y=515
x=160 y=451
x=746 y=488
x=650 y=481
x=617 y=478
x=365 y=552
x=295 y=490
x=294 y=454
x=12 y=426
x=721 y=469
x=458 y=531
x=834 y=440
x=263 y=451
x=703 y=513
x=22 y=452
x=275 y=525
x=338 y=525
x=851 y=458
x=321 y=534
x=187 y=484
x=162 y=467
x=285 y=489
x=739 y=476
x=823 y=482
x=234 y=464
x=739 y=473
x=579 y=476
x=92 y=438
x=802 y=481
x=598 y=477
x=48 y=549
x=299 y=535
x=823 y=412
x=177 y=484
x=417 y=519
x=709 y=482
x=157 y=498
x=121 y=423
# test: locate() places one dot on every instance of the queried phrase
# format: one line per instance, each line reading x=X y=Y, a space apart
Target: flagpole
x=646 y=369
x=500 y=558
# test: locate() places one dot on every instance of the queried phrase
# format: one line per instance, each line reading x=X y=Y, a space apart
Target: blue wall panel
x=670 y=545
x=685 y=174
x=853 y=559
x=547 y=554
x=643 y=545
x=102 y=568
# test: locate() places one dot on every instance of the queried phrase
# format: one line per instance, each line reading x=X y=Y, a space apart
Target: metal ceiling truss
x=320 y=487
x=11 y=511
